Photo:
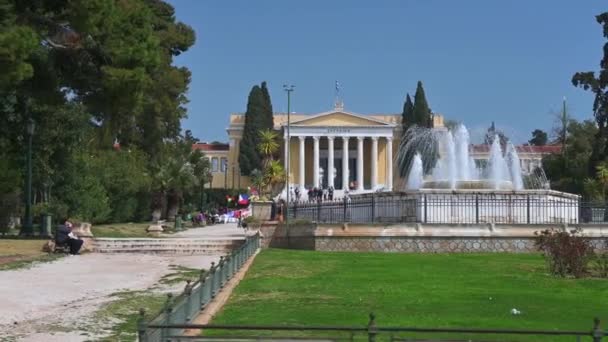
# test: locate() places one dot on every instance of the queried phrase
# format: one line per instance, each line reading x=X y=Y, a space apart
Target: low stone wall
x=416 y=238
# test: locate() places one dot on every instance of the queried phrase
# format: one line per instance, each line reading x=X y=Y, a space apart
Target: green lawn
x=421 y=290
x=121 y=230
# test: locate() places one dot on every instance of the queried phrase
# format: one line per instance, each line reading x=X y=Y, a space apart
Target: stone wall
x=262 y=210
x=416 y=238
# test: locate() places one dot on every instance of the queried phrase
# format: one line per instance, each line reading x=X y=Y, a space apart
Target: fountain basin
x=476 y=184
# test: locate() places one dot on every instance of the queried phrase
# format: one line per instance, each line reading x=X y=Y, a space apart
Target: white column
x=360 y=163
x=302 y=161
x=329 y=173
x=344 y=163
x=374 y=162
x=315 y=169
x=389 y=163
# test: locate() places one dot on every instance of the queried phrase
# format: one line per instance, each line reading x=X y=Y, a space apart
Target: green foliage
x=258 y=118
x=539 y=138
x=598 y=85
x=422 y=114
x=407 y=116
x=491 y=135
x=569 y=170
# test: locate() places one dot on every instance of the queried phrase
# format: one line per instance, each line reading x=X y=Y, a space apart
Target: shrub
x=600 y=262
x=566 y=253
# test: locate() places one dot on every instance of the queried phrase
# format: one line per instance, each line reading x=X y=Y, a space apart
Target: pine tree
x=407 y=117
x=422 y=112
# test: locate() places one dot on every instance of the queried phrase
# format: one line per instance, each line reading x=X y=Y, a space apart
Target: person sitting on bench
x=65 y=236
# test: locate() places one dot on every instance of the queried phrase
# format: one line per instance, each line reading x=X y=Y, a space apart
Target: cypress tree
x=422 y=112
x=268 y=113
x=249 y=158
x=407 y=117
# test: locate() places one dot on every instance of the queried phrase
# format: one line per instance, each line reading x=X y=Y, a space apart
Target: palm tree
x=268 y=146
x=274 y=174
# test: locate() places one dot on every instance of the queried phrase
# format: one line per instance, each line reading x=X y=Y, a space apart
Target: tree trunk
x=157 y=205
x=174 y=198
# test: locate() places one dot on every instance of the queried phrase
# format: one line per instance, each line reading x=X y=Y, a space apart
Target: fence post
x=477 y=208
x=528 y=209
x=318 y=211
x=142 y=326
x=425 y=205
x=597 y=333
x=165 y=332
x=201 y=299
x=373 y=208
x=212 y=277
x=371 y=328
x=344 y=217
x=188 y=293
x=295 y=210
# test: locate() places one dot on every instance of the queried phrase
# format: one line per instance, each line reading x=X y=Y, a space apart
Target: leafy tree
x=257 y=119
x=492 y=133
x=598 y=85
x=570 y=176
x=539 y=138
x=407 y=116
x=422 y=113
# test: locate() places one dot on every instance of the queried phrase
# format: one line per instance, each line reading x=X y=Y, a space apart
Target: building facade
x=339 y=149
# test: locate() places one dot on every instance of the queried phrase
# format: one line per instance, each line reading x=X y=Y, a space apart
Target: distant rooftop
x=205 y=146
x=546 y=149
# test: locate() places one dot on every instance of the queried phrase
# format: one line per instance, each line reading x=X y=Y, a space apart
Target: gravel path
x=65 y=293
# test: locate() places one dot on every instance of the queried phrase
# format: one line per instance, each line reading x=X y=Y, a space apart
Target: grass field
x=420 y=290
x=120 y=230
x=21 y=253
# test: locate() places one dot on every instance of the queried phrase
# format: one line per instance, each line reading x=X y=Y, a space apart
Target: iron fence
x=453 y=208
x=371 y=333
x=196 y=296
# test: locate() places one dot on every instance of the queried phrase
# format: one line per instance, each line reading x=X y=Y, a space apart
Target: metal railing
x=196 y=296
x=370 y=332
x=447 y=209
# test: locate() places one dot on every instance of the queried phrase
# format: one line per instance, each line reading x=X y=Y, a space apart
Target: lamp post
x=288 y=89
x=28 y=228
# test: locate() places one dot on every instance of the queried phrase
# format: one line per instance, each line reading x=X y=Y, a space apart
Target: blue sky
x=480 y=61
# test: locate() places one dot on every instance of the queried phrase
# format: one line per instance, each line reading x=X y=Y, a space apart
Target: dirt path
x=64 y=295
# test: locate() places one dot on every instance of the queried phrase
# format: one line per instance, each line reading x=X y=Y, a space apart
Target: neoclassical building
x=358 y=149
x=337 y=148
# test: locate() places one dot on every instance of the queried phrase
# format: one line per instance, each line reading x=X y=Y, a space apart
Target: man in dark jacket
x=64 y=236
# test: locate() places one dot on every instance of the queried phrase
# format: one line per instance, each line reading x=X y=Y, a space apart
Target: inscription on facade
x=338 y=130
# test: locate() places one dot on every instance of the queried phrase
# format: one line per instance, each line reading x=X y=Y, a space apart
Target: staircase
x=171 y=246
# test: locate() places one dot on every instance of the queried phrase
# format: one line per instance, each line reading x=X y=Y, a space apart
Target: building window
x=214 y=164
x=224 y=164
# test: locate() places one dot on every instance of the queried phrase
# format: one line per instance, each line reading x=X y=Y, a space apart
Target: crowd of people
x=314 y=194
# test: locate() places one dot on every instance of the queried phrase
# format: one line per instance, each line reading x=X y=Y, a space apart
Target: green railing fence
x=196 y=296
x=372 y=332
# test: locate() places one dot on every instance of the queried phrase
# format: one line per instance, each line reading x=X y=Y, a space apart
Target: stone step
x=166 y=246
x=179 y=251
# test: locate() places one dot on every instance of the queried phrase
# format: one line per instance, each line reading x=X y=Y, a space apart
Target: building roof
x=546 y=149
x=207 y=147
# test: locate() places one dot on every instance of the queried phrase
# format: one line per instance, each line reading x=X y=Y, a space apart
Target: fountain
x=455 y=168
x=448 y=187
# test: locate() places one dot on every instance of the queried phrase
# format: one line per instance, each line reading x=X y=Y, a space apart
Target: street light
x=288 y=89
x=28 y=228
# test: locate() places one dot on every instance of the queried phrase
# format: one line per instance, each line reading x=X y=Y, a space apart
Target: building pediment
x=338 y=118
